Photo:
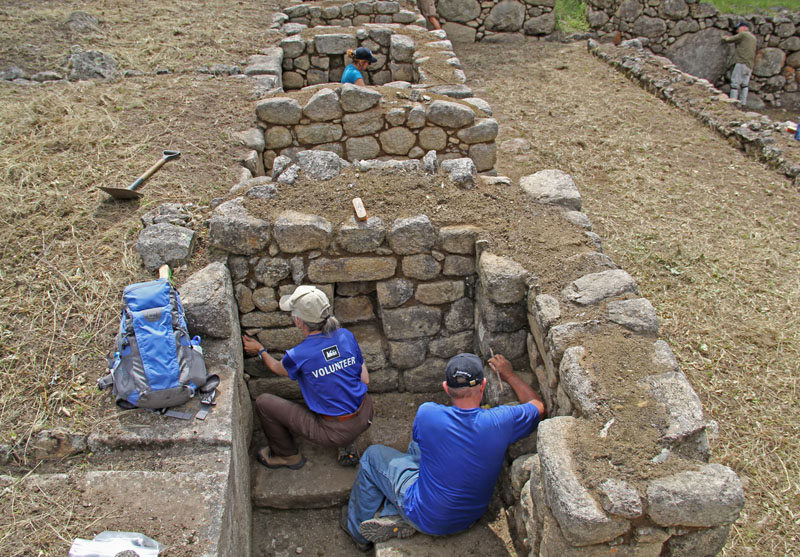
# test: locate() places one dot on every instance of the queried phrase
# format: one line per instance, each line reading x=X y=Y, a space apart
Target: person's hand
x=501 y=366
x=251 y=346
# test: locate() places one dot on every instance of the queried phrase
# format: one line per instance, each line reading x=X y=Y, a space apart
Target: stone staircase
x=297 y=511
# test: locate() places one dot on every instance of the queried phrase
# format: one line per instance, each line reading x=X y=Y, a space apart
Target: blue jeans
x=383 y=477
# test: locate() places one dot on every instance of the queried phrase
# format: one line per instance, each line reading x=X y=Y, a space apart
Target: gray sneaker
x=385 y=528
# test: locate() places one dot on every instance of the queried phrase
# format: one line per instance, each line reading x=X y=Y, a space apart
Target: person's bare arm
x=252 y=347
x=364 y=374
x=360 y=81
x=525 y=393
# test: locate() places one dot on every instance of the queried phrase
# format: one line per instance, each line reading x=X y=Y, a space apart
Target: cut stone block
x=596 y=287
x=707 y=498
x=297 y=232
x=233 y=230
x=503 y=279
x=165 y=243
x=411 y=235
x=361 y=237
x=411 y=322
x=426 y=378
x=581 y=520
x=638 y=315
x=577 y=383
x=351 y=269
x=421 y=267
x=441 y=292
x=208 y=302
x=552 y=187
x=394 y=292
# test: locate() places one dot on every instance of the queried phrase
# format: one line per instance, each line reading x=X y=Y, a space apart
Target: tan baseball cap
x=307 y=302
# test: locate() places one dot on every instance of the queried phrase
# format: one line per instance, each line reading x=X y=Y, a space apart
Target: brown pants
x=280 y=419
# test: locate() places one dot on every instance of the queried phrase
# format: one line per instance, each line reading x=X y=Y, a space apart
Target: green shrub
x=745 y=7
x=571 y=15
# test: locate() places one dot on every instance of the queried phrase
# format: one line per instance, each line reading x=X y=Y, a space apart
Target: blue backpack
x=156 y=364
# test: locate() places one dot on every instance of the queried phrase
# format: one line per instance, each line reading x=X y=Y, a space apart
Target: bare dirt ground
x=710 y=235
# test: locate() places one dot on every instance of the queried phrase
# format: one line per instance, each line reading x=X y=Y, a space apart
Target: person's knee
x=265 y=404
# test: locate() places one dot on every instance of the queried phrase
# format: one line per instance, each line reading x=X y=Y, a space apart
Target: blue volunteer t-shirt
x=351 y=74
x=328 y=370
x=462 y=453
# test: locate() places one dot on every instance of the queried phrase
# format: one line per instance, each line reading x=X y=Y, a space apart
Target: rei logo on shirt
x=331 y=353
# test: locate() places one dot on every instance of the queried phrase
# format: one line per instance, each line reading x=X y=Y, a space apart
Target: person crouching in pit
x=333 y=379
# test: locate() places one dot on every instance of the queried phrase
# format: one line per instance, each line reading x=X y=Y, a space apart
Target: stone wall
x=463 y=20
x=753 y=133
x=359 y=123
x=690 y=34
x=621 y=466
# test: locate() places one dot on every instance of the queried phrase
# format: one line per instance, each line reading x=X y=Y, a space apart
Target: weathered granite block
x=441 y=292
x=363 y=123
x=462 y=171
x=581 y=520
x=426 y=378
x=334 y=43
x=483 y=131
x=638 y=315
x=561 y=337
x=165 y=243
x=521 y=472
x=412 y=322
x=397 y=141
x=552 y=187
x=405 y=355
x=577 y=382
x=233 y=230
x=511 y=345
x=458 y=266
x=321 y=164
x=351 y=269
x=412 y=235
x=282 y=111
x=266 y=320
x=447 y=347
x=297 y=232
x=373 y=346
x=208 y=302
x=271 y=270
x=402 y=48
x=244 y=298
x=458 y=238
x=355 y=98
x=503 y=279
x=449 y=114
x=421 y=267
x=704 y=542
x=683 y=407
x=707 y=498
x=620 y=498
x=361 y=237
x=280 y=339
x=505 y=318
x=264 y=299
x=321 y=132
x=394 y=292
x=545 y=310
x=460 y=316
x=354 y=309
x=596 y=287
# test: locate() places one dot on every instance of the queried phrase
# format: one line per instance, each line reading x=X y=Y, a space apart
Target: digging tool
x=130 y=192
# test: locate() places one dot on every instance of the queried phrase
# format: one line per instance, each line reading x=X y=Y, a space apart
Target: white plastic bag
x=109 y=543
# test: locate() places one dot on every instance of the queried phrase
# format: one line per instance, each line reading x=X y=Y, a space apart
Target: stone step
x=306 y=532
x=490 y=536
x=322 y=482
x=317 y=532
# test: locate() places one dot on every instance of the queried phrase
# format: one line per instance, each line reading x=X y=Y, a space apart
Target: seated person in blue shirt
x=333 y=378
x=362 y=57
x=445 y=481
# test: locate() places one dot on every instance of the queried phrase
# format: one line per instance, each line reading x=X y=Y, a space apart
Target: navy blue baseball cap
x=363 y=53
x=464 y=370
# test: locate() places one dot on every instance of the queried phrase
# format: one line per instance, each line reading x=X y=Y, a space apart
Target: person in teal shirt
x=362 y=57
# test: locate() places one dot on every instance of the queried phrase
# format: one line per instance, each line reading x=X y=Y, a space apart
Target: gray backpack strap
x=208 y=395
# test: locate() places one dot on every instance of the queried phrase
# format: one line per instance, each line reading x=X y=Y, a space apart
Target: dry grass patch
x=710 y=235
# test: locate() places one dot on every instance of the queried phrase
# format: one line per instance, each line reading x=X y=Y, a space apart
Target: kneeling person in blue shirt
x=333 y=378
x=445 y=481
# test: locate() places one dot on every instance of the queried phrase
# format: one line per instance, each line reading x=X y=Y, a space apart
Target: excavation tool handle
x=165 y=156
